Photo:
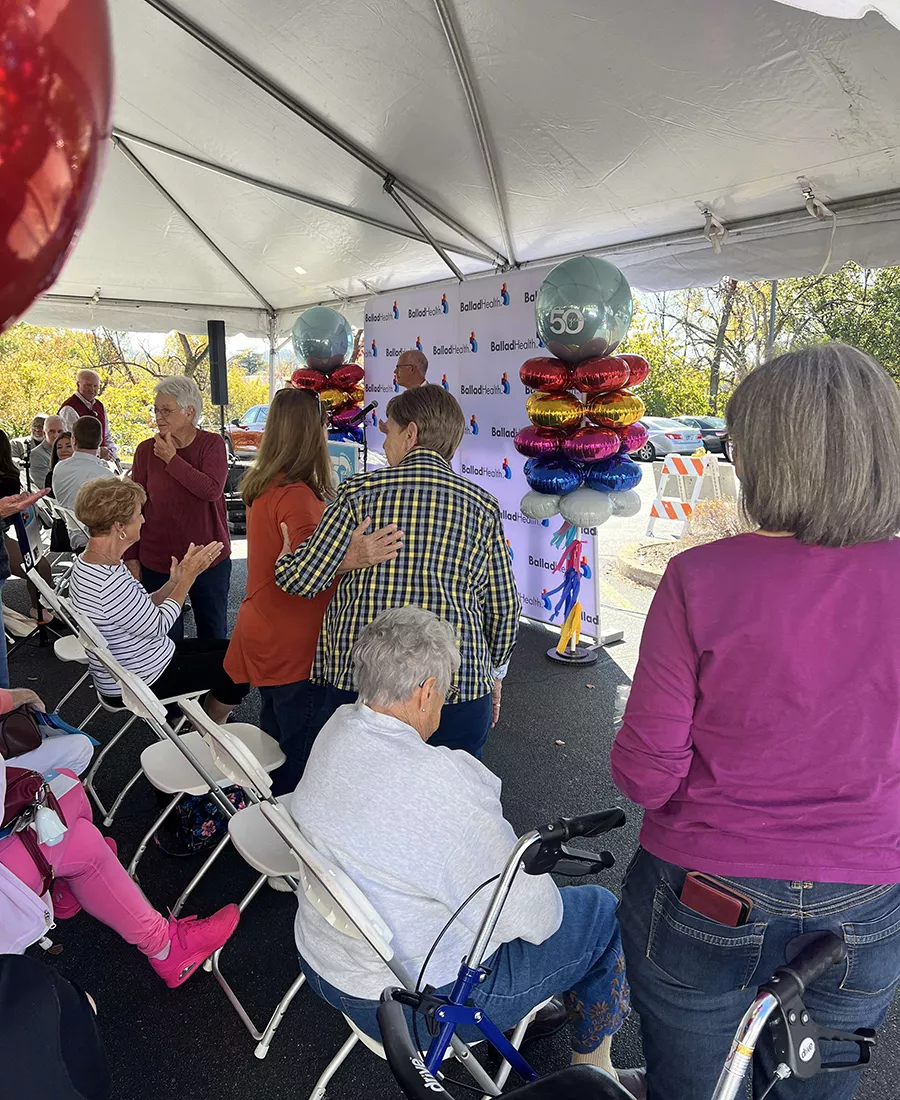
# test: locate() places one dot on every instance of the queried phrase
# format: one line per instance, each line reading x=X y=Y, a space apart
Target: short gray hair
x=398 y=651
x=185 y=392
x=816 y=437
x=86 y=372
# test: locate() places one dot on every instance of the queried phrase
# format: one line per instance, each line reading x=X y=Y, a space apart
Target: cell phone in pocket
x=711 y=898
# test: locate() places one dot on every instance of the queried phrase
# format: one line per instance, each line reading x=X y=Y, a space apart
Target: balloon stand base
x=581 y=655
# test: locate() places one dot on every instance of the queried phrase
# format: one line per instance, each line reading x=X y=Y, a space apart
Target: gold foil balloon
x=357 y=394
x=334 y=399
x=554 y=410
x=615 y=410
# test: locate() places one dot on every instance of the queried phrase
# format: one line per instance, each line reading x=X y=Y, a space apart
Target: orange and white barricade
x=680 y=508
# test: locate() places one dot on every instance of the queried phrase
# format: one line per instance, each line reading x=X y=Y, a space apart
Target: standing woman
x=275 y=636
x=762 y=735
x=183 y=471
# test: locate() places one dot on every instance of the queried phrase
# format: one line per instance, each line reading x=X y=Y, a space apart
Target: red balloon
x=544 y=373
x=600 y=375
x=633 y=437
x=538 y=442
x=346 y=376
x=591 y=444
x=305 y=379
x=55 y=100
x=638 y=369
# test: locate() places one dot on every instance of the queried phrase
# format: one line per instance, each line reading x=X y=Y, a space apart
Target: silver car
x=667 y=437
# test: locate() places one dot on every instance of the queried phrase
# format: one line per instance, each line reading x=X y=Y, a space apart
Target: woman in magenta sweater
x=183 y=471
x=762 y=735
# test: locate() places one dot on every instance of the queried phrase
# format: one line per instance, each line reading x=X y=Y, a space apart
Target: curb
x=632 y=569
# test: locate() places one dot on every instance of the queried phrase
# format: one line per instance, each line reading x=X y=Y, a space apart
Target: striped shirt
x=135 y=629
x=454 y=562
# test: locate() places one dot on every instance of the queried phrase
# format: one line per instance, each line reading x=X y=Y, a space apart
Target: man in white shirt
x=39 y=457
x=410 y=371
x=84 y=465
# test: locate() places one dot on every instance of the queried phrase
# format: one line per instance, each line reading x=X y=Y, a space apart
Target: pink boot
x=192 y=941
x=64 y=904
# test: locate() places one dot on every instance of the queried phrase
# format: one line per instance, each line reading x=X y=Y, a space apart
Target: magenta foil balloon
x=344 y=418
x=591 y=444
x=633 y=437
x=538 y=442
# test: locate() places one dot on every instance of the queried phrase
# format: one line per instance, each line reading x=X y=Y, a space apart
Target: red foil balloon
x=600 y=375
x=591 y=444
x=55 y=98
x=538 y=442
x=543 y=373
x=633 y=437
x=638 y=369
x=346 y=376
x=305 y=379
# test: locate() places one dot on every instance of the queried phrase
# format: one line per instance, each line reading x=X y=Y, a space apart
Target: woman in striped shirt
x=134 y=623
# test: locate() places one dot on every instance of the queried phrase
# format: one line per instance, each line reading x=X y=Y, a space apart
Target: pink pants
x=99 y=882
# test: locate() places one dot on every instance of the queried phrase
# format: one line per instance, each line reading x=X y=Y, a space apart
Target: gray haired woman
x=183 y=471
x=762 y=734
x=418 y=829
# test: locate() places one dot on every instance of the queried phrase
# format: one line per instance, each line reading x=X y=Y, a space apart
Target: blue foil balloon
x=556 y=476
x=583 y=309
x=322 y=338
x=346 y=435
x=616 y=474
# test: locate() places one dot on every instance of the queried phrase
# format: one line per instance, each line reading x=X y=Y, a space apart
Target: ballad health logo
x=445 y=305
x=440 y=310
x=517 y=517
x=504 y=383
x=396 y=312
x=445 y=383
x=473 y=425
x=512 y=556
x=418 y=343
x=456 y=349
x=392 y=315
x=473 y=343
x=502 y=299
x=503 y=471
x=374 y=350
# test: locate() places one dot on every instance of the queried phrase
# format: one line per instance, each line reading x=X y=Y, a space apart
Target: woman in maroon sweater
x=183 y=471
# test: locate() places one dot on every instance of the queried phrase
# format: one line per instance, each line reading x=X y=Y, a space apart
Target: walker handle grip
x=585 y=825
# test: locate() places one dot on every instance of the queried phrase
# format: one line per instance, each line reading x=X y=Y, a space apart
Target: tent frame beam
x=411 y=214
x=292 y=193
x=300 y=110
x=482 y=135
x=202 y=234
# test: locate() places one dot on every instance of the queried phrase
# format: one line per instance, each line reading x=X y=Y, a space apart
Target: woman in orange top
x=275 y=636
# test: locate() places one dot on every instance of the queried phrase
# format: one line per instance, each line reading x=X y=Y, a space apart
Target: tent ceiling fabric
x=608 y=125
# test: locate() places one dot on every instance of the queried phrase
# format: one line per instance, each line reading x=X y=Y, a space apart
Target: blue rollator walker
x=778 y=1007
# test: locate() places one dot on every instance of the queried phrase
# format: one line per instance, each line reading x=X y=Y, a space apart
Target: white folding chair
x=255 y=841
x=67 y=648
x=339 y=900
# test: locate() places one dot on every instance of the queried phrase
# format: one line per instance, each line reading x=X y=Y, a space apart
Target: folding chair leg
x=148 y=836
x=318 y=1092
x=82 y=725
x=120 y=797
x=207 y=863
x=91 y=777
x=262 y=1048
x=59 y=706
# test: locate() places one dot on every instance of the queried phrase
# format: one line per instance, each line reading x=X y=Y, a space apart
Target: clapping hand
x=163 y=447
x=197 y=560
x=21 y=502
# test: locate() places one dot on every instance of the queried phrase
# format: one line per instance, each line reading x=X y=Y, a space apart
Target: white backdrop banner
x=476 y=337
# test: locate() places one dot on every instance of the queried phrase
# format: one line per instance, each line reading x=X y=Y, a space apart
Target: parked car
x=712 y=430
x=667 y=437
x=243 y=436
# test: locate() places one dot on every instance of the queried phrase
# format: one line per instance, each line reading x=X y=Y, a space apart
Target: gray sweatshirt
x=417 y=828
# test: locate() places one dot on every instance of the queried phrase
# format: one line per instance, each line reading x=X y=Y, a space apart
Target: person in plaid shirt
x=453 y=560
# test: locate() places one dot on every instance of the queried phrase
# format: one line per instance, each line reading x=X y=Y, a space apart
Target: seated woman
x=70 y=750
x=418 y=866
x=134 y=622
x=10 y=485
x=762 y=734
x=63 y=448
x=87 y=875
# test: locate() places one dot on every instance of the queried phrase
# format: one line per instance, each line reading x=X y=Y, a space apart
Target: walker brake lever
x=544 y=857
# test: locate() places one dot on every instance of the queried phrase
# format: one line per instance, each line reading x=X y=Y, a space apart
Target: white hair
x=87 y=372
x=185 y=392
x=398 y=651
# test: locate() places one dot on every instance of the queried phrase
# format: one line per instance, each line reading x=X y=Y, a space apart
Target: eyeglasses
x=163 y=413
x=452 y=694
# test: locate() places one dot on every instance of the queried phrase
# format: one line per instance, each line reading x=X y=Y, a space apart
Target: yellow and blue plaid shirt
x=454 y=562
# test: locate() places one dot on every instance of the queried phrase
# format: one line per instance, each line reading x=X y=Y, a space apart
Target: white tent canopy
x=257 y=141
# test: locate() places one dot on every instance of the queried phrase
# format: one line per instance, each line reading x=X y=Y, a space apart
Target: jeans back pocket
x=698 y=952
x=873 y=949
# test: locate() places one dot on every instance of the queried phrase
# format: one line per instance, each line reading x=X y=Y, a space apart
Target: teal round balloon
x=322 y=338
x=583 y=309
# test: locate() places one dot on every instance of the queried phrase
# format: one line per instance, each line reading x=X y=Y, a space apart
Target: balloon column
x=322 y=340
x=55 y=98
x=584 y=415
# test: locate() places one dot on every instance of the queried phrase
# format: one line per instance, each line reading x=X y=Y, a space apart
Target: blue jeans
x=288 y=713
x=209 y=600
x=583 y=959
x=463 y=725
x=692 y=978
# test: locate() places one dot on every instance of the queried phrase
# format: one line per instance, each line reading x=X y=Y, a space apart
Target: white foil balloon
x=539 y=505
x=625 y=505
x=585 y=507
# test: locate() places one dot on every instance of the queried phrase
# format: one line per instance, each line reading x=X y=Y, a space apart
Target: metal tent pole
x=203 y=36
x=770 y=341
x=389 y=185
